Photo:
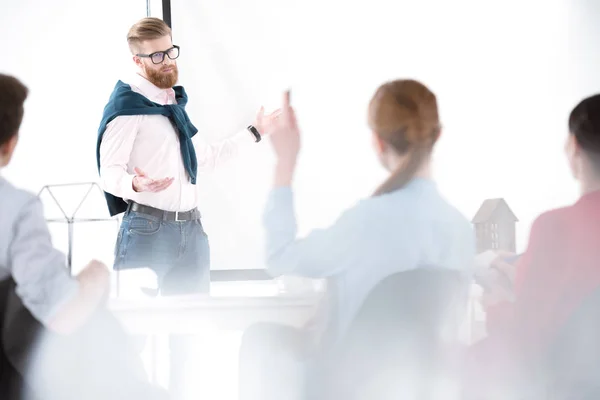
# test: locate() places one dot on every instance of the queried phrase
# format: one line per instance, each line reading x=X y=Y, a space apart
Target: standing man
x=148 y=161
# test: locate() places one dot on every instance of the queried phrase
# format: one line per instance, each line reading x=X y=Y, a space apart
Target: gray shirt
x=26 y=254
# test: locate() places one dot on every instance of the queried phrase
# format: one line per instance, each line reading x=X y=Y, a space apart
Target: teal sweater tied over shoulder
x=124 y=101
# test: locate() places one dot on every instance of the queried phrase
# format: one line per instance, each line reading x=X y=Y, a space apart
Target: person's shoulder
x=19 y=206
x=457 y=222
x=447 y=212
x=551 y=225
x=552 y=218
x=15 y=199
x=562 y=219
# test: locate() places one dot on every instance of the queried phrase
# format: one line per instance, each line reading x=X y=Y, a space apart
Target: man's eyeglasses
x=159 y=56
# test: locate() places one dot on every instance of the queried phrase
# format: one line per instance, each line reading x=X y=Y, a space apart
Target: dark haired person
x=60 y=302
x=557 y=272
x=57 y=340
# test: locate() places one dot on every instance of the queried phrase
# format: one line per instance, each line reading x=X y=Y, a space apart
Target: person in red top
x=557 y=272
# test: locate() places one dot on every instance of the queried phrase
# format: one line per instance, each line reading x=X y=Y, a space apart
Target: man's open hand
x=142 y=183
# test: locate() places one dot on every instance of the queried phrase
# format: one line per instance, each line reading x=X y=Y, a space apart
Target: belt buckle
x=177 y=217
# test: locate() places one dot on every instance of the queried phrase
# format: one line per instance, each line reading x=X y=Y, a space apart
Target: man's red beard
x=163 y=80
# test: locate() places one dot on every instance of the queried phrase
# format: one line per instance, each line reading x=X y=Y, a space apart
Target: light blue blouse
x=379 y=236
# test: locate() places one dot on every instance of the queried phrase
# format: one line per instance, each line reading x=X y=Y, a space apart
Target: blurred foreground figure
x=406 y=225
x=54 y=328
x=544 y=335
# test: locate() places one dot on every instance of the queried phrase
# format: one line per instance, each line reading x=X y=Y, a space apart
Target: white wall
x=506 y=77
x=502 y=73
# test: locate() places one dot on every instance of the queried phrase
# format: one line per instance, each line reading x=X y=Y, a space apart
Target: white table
x=189 y=314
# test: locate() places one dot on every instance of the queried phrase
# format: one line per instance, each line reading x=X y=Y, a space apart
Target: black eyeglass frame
x=164 y=53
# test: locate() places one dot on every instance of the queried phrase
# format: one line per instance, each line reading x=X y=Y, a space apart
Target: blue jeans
x=178 y=252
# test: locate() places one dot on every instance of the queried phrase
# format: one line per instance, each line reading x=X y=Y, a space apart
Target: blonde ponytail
x=404 y=115
x=404 y=173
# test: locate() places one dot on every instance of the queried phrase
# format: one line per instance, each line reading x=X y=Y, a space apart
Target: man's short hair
x=584 y=124
x=149 y=28
x=12 y=97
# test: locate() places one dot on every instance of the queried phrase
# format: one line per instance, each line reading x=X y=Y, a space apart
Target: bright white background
x=506 y=77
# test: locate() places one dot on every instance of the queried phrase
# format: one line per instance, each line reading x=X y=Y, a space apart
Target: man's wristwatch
x=254 y=133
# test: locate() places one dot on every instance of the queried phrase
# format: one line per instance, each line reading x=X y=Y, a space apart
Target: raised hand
x=142 y=183
x=286 y=143
x=286 y=138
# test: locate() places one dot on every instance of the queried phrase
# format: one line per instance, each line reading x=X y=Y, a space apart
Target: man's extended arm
x=211 y=156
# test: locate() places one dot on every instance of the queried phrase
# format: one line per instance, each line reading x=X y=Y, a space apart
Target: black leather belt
x=178 y=216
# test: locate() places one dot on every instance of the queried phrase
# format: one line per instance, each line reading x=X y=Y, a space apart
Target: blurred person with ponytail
x=405 y=224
